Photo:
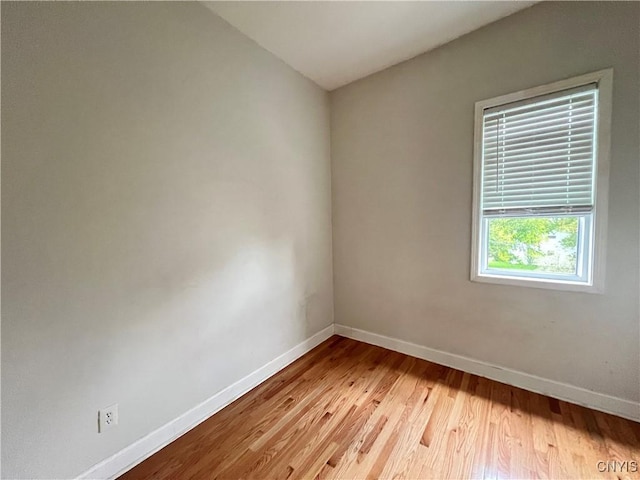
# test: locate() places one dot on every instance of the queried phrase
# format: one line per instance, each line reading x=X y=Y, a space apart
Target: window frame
x=596 y=280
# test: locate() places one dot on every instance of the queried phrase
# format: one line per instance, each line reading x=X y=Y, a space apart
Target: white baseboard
x=563 y=391
x=135 y=453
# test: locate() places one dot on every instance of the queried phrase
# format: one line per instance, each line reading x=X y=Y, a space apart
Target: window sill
x=537 y=283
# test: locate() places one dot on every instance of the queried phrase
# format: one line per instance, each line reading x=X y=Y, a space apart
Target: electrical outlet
x=107 y=418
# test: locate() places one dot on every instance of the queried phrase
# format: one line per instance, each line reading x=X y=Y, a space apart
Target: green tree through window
x=534 y=243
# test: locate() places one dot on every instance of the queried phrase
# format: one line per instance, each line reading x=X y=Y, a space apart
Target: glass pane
x=534 y=244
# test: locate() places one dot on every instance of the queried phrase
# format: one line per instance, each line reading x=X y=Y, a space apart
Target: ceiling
x=336 y=42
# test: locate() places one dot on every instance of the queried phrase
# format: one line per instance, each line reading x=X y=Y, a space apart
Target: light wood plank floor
x=349 y=410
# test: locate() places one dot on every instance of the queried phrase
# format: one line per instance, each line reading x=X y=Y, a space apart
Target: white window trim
x=604 y=79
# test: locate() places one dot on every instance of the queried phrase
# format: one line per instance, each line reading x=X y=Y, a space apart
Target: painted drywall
x=335 y=43
x=166 y=218
x=402 y=164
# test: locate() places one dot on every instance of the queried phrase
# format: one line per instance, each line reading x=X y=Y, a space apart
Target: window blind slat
x=540 y=154
x=556 y=153
x=576 y=168
x=492 y=138
x=561 y=127
x=516 y=211
x=572 y=191
x=542 y=211
x=545 y=202
x=549 y=110
x=525 y=200
x=534 y=146
x=556 y=180
x=495 y=169
x=542 y=118
x=525 y=171
x=496 y=189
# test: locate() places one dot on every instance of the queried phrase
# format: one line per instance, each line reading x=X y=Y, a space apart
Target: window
x=540 y=185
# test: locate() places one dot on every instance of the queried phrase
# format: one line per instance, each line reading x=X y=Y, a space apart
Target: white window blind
x=539 y=154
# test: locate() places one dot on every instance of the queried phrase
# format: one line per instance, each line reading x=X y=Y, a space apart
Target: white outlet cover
x=107 y=418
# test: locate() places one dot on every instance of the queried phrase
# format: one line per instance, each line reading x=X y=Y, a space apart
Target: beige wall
x=402 y=155
x=165 y=215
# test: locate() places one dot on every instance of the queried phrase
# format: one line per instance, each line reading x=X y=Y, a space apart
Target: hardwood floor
x=348 y=410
